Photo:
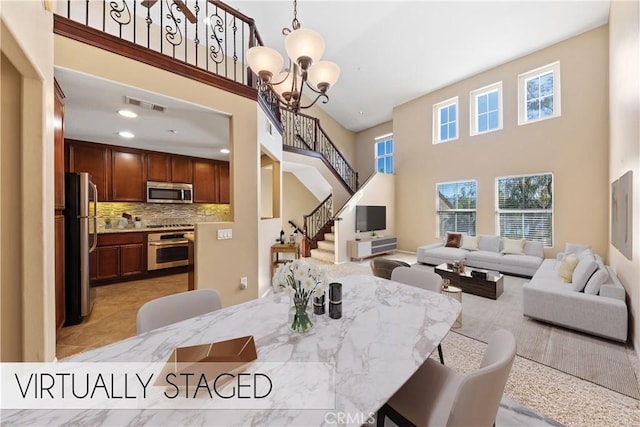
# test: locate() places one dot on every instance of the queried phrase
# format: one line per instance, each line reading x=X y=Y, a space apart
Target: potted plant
x=107 y=223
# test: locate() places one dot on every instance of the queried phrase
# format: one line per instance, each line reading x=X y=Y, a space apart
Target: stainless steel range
x=168 y=249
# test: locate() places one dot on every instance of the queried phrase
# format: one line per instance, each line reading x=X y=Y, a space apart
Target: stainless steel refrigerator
x=81 y=237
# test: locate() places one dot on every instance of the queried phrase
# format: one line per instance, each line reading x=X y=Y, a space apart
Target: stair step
x=323 y=255
x=327 y=245
x=330 y=237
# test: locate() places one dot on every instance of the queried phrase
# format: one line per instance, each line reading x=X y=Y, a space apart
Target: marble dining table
x=387 y=330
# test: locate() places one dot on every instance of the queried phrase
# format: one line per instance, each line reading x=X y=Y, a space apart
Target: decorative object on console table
x=300 y=281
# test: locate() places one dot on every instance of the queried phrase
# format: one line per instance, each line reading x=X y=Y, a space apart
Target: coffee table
x=491 y=287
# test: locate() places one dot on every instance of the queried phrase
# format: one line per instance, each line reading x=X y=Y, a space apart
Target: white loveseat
x=598 y=309
x=488 y=256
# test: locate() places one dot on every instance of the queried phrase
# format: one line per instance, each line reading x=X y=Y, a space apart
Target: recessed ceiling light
x=126 y=134
x=173 y=131
x=127 y=113
x=224 y=151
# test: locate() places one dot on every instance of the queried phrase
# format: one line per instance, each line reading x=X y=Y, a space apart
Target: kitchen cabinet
x=224 y=183
x=205 y=189
x=158 y=167
x=59 y=204
x=128 y=175
x=163 y=167
x=118 y=255
x=181 y=169
x=58 y=148
x=211 y=182
x=94 y=159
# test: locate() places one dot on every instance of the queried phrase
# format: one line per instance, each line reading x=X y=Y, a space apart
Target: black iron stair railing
x=316 y=224
x=303 y=134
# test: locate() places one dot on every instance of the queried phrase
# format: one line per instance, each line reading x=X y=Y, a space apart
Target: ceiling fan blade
x=149 y=3
x=183 y=7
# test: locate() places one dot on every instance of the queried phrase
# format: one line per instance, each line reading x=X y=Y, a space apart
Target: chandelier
x=304 y=48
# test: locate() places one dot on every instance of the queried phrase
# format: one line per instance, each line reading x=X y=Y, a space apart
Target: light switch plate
x=225 y=234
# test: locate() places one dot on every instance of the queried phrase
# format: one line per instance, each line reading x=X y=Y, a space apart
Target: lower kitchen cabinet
x=132 y=259
x=117 y=256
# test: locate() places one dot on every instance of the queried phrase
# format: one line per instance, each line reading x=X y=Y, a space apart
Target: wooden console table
x=283 y=248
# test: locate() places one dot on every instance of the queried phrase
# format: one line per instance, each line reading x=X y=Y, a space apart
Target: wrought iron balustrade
x=315 y=222
x=305 y=133
x=206 y=34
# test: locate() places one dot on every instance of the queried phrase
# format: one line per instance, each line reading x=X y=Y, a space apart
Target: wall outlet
x=225 y=234
x=243 y=283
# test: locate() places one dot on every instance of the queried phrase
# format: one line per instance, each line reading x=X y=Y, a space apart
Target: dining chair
x=174 y=308
x=420 y=278
x=438 y=396
x=382 y=267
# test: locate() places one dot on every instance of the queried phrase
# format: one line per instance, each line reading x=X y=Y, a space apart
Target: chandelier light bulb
x=265 y=61
x=324 y=74
x=304 y=47
x=284 y=89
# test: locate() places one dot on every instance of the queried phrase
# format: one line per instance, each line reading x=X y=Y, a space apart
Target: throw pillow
x=513 y=246
x=565 y=272
x=489 y=243
x=470 y=242
x=453 y=240
x=585 y=268
x=574 y=248
x=598 y=279
x=586 y=253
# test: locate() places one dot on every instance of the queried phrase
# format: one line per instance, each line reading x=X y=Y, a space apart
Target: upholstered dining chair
x=419 y=278
x=437 y=396
x=174 y=308
x=382 y=267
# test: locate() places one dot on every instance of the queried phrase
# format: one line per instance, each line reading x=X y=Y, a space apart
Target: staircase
x=326 y=248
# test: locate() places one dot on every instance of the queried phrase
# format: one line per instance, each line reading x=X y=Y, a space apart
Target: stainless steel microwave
x=169 y=192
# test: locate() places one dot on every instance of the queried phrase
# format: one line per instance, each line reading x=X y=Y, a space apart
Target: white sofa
x=604 y=313
x=488 y=256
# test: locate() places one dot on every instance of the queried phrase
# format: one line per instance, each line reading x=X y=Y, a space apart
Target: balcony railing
x=206 y=34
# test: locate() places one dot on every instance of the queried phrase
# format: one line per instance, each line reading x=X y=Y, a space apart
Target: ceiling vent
x=144 y=104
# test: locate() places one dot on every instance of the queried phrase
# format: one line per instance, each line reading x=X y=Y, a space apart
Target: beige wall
x=10 y=214
x=219 y=263
x=574 y=147
x=27 y=41
x=379 y=190
x=624 y=153
x=365 y=149
x=297 y=201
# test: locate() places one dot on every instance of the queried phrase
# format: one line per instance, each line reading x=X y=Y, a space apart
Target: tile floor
x=114 y=314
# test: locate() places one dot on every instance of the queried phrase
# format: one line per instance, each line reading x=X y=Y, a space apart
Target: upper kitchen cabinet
x=128 y=175
x=94 y=159
x=58 y=148
x=211 y=181
x=205 y=188
x=181 y=169
x=163 y=167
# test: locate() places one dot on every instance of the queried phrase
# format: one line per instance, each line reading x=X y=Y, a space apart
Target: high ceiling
x=391 y=52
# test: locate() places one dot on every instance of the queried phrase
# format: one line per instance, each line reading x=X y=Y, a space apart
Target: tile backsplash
x=155 y=213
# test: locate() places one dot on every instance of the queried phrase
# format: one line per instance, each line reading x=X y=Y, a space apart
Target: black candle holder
x=319 y=305
x=335 y=300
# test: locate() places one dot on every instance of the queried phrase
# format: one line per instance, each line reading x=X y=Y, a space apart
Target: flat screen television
x=371 y=218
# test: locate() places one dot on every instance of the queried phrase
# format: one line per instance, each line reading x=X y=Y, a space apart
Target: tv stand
x=369 y=246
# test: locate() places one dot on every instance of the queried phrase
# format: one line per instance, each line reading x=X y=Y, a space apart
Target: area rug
x=600 y=361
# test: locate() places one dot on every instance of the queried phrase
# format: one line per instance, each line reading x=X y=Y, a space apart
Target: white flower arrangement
x=300 y=280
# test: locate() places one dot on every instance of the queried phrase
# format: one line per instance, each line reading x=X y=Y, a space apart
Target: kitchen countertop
x=142 y=230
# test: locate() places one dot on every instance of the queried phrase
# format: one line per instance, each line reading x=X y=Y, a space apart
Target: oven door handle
x=168 y=245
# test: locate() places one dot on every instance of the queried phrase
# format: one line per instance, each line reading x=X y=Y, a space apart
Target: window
x=384 y=154
x=456 y=207
x=525 y=207
x=445 y=121
x=539 y=94
x=486 y=109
